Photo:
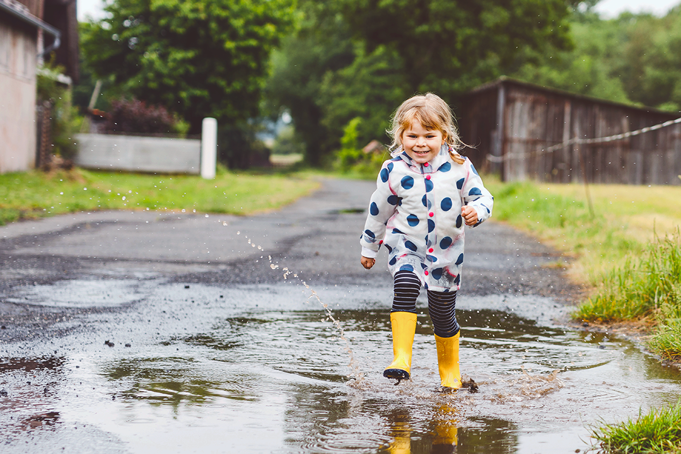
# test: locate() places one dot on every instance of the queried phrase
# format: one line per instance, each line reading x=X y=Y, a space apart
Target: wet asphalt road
x=317 y=237
x=93 y=285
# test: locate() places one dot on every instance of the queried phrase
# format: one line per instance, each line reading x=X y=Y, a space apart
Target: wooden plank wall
x=536 y=118
x=478 y=126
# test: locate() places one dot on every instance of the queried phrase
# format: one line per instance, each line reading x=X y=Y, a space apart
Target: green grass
x=643 y=285
x=658 y=431
x=629 y=251
x=30 y=195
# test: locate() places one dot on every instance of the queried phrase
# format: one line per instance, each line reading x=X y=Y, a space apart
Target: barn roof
x=508 y=81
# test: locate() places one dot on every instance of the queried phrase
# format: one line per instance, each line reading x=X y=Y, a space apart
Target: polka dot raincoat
x=415 y=213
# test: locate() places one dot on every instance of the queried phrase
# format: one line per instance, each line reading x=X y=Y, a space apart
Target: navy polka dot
x=446 y=204
x=388 y=248
x=459 y=221
x=459 y=261
x=445 y=243
x=390 y=166
x=459 y=184
x=373 y=209
x=425 y=285
x=392 y=261
x=436 y=273
x=396 y=158
x=384 y=175
x=407 y=268
x=398 y=231
x=424 y=200
x=411 y=246
x=429 y=185
x=431 y=225
x=432 y=258
x=370 y=234
x=473 y=169
x=424 y=266
x=475 y=191
x=407 y=182
x=457 y=280
x=393 y=199
x=413 y=220
x=446 y=167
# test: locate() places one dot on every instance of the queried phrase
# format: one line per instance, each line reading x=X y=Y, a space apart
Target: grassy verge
x=30 y=195
x=658 y=431
x=629 y=251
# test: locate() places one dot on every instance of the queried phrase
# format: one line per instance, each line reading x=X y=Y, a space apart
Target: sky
x=607 y=8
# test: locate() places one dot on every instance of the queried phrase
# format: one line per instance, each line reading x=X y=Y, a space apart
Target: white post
x=209 y=143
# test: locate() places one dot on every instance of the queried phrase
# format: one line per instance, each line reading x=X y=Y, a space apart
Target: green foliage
x=354 y=58
x=656 y=432
x=452 y=46
x=644 y=285
x=239 y=147
x=631 y=59
x=196 y=58
x=30 y=195
x=321 y=46
x=64 y=119
x=286 y=143
x=351 y=159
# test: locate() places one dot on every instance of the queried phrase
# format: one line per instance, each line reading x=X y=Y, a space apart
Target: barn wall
x=536 y=118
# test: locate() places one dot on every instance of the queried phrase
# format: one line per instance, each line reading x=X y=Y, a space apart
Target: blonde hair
x=433 y=114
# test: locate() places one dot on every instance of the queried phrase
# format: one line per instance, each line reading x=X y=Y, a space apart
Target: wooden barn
x=523 y=131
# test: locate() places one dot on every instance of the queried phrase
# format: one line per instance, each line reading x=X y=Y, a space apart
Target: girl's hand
x=367 y=262
x=470 y=215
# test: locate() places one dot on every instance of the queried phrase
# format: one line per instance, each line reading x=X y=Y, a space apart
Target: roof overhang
x=21 y=12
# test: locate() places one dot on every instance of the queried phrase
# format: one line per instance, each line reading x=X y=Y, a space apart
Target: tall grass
x=658 y=431
x=643 y=285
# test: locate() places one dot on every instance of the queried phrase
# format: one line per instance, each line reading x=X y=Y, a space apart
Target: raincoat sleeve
x=381 y=208
x=474 y=194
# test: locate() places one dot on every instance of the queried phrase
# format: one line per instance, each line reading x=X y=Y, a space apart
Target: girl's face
x=421 y=144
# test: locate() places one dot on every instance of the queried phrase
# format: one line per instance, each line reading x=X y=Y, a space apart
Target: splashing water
x=355 y=374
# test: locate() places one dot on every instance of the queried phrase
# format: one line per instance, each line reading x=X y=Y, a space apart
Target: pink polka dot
x=425 y=164
x=427 y=177
x=426 y=272
x=431 y=214
x=430 y=250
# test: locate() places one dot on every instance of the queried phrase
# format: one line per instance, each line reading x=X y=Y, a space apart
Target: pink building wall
x=18 y=48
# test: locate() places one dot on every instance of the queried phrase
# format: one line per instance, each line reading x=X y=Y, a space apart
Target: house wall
x=17 y=95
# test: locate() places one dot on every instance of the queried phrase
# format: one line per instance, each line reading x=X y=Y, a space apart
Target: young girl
x=424 y=195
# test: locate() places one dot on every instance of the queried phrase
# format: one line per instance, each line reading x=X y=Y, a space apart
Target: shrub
x=135 y=116
x=351 y=159
x=64 y=119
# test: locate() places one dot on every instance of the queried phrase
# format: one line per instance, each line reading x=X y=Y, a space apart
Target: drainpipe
x=19 y=11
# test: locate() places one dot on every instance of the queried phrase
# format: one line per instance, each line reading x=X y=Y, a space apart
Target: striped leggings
x=440 y=305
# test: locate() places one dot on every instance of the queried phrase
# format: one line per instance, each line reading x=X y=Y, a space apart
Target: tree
x=196 y=58
x=321 y=46
x=451 y=46
x=362 y=58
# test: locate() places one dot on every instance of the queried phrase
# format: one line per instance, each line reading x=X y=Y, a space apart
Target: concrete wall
x=17 y=95
x=138 y=154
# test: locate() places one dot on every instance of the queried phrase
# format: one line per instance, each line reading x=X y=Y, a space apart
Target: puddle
x=262 y=369
x=81 y=293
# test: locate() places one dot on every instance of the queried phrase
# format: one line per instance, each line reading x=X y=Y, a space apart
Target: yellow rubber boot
x=403 y=327
x=448 y=361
